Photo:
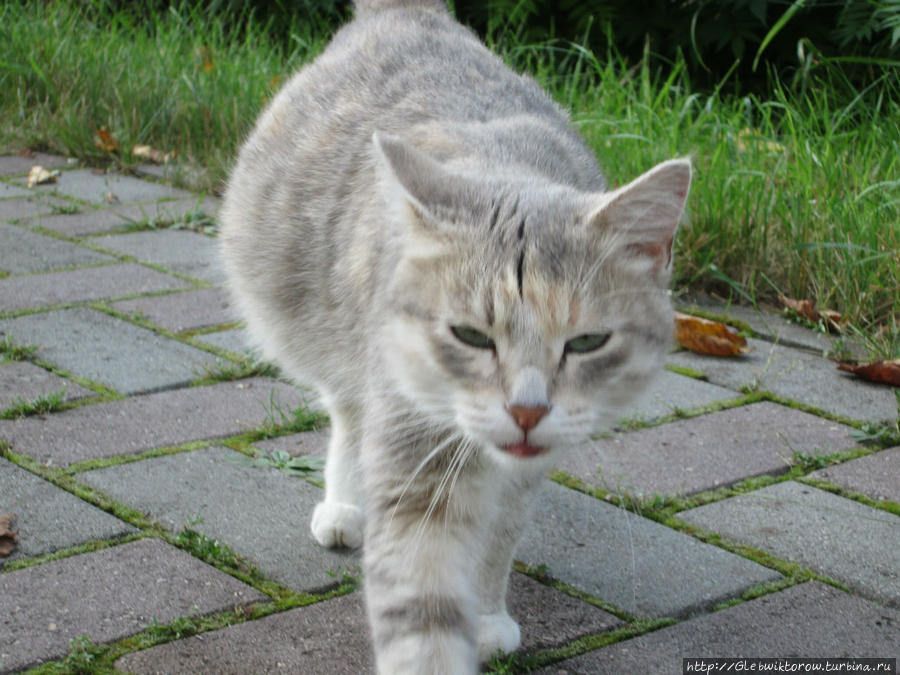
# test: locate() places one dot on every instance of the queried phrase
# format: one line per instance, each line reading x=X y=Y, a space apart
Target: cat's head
x=522 y=314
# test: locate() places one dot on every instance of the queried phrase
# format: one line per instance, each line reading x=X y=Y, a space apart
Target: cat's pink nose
x=527 y=416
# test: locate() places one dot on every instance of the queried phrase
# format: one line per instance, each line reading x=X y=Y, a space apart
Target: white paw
x=337 y=525
x=496 y=631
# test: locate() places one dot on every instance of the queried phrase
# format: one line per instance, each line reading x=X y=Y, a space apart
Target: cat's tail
x=364 y=6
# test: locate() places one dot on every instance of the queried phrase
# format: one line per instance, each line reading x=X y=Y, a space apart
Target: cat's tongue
x=523 y=449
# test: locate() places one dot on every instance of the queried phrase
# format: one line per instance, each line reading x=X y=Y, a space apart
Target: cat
x=416 y=231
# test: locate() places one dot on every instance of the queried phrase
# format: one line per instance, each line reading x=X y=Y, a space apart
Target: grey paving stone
x=876 y=476
x=189 y=253
x=23 y=251
x=306 y=443
x=30 y=205
x=671 y=392
x=333 y=637
x=106 y=595
x=81 y=285
x=634 y=563
x=706 y=452
x=260 y=512
x=23 y=381
x=846 y=540
x=13 y=164
x=810 y=620
x=764 y=321
x=105 y=188
x=180 y=312
x=100 y=347
x=328 y=637
x=143 y=422
x=797 y=375
x=50 y=519
x=118 y=216
x=550 y=618
x=236 y=341
x=7 y=190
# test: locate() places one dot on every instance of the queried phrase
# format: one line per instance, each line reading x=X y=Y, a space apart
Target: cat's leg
x=421 y=557
x=338 y=520
x=496 y=629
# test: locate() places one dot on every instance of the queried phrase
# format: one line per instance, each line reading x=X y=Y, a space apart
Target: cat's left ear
x=643 y=215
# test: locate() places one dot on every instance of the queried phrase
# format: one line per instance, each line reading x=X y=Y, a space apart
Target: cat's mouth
x=523 y=449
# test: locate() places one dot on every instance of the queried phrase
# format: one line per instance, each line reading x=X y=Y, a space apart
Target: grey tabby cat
x=414 y=229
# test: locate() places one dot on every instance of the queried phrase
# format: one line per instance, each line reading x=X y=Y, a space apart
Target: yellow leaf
x=39 y=175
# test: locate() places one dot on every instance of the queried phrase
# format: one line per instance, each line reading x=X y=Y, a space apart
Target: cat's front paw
x=497 y=631
x=336 y=525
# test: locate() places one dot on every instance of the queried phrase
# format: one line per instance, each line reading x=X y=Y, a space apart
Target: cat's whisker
x=431 y=455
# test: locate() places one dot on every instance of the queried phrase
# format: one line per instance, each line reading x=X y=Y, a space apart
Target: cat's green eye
x=588 y=342
x=472 y=337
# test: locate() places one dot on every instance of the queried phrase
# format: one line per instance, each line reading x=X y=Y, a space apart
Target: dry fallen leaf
x=7 y=535
x=708 y=337
x=27 y=153
x=807 y=309
x=39 y=175
x=885 y=372
x=106 y=141
x=153 y=155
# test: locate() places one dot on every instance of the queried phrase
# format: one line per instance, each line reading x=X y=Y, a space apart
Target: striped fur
x=402 y=186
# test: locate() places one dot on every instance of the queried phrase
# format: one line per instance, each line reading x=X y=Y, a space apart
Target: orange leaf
x=708 y=337
x=206 y=55
x=806 y=309
x=106 y=141
x=885 y=372
x=7 y=535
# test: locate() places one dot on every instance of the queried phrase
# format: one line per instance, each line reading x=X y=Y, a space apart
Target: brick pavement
x=718 y=520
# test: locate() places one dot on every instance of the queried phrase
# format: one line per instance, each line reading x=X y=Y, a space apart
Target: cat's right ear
x=408 y=177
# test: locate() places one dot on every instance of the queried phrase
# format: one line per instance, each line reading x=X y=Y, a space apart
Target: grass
x=794 y=193
x=36 y=406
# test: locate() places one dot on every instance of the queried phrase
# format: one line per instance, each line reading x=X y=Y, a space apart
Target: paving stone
x=106 y=595
x=180 y=312
x=706 y=452
x=23 y=381
x=121 y=215
x=82 y=285
x=796 y=375
x=634 y=563
x=333 y=637
x=189 y=253
x=31 y=205
x=846 y=540
x=8 y=190
x=13 y=164
x=671 y=392
x=764 y=321
x=23 y=251
x=100 y=347
x=48 y=518
x=236 y=341
x=313 y=443
x=143 y=422
x=101 y=188
x=260 y=512
x=328 y=637
x=550 y=618
x=876 y=476
x=810 y=620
